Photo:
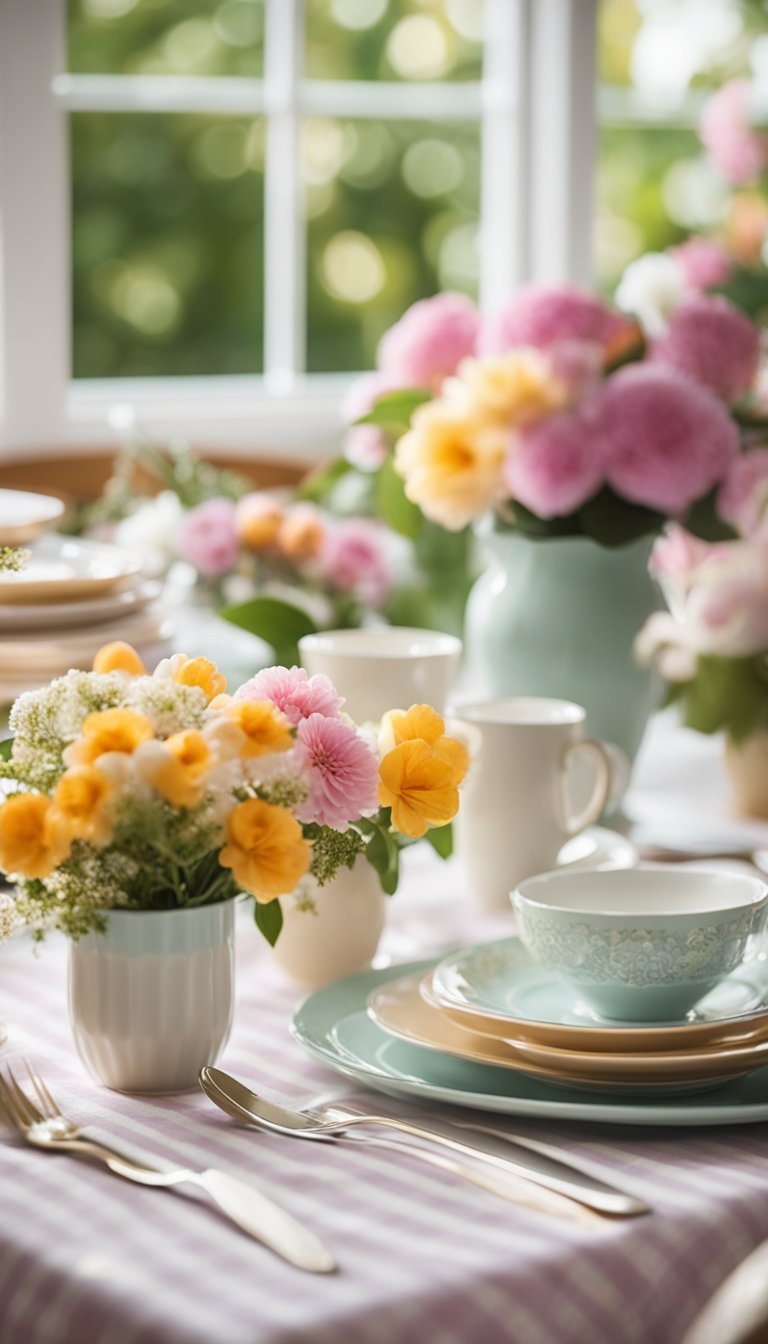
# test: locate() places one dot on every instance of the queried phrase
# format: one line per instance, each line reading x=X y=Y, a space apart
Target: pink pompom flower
x=353 y=560
x=712 y=341
x=666 y=440
x=429 y=341
x=341 y=769
x=743 y=497
x=544 y=315
x=292 y=691
x=703 y=263
x=737 y=151
x=208 y=537
x=555 y=466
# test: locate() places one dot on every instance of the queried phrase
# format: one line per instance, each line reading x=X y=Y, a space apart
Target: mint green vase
x=558 y=617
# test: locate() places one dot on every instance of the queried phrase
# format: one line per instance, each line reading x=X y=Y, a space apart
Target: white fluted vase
x=151 y=999
x=332 y=931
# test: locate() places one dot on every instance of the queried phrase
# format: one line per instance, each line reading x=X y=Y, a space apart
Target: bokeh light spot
x=418 y=48
x=352 y=267
x=358 y=14
x=432 y=168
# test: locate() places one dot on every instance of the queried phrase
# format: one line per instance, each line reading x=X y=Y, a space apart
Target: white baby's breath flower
x=169 y=706
x=153 y=531
x=651 y=288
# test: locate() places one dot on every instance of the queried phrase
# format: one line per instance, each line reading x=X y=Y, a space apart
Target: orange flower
x=423 y=723
x=119 y=657
x=420 y=786
x=266 y=849
x=516 y=388
x=302 y=533
x=451 y=461
x=258 y=519
x=82 y=797
x=177 y=767
x=119 y=730
x=200 y=672
x=265 y=728
x=34 y=837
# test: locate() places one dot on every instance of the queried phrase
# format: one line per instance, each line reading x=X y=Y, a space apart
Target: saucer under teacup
x=644 y=944
x=399 y=1008
x=497 y=990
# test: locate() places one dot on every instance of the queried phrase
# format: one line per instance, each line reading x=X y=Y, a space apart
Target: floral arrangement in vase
x=162 y=792
x=711 y=646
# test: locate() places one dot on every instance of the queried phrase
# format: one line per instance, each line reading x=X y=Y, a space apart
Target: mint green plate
x=333 y=1027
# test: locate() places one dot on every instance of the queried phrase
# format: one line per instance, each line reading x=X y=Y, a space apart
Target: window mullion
x=34 y=225
x=504 y=242
x=284 y=234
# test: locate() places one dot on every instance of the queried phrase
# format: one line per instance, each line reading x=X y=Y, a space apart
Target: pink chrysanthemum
x=737 y=151
x=353 y=560
x=429 y=341
x=291 y=690
x=208 y=539
x=743 y=496
x=703 y=263
x=666 y=440
x=544 y=315
x=342 y=772
x=712 y=341
x=555 y=466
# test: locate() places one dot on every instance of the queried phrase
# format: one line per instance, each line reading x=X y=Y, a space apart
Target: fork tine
x=51 y=1110
x=28 y=1112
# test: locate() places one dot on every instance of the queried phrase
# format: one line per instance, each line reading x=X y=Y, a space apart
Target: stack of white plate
x=71 y=597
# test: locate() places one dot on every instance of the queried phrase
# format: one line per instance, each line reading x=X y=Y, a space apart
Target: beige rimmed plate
x=497 y=990
x=399 y=1008
x=61 y=569
x=72 y=648
x=24 y=514
x=39 y=619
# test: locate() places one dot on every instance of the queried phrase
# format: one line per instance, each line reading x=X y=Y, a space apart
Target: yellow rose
x=119 y=730
x=266 y=729
x=200 y=672
x=177 y=767
x=34 y=837
x=119 y=657
x=419 y=784
x=516 y=389
x=82 y=797
x=451 y=462
x=266 y=849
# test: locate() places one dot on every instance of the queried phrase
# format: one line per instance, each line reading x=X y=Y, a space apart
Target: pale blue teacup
x=642 y=944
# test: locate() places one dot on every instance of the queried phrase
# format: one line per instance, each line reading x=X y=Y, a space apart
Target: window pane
x=167 y=244
x=392 y=217
x=166 y=37
x=394 y=39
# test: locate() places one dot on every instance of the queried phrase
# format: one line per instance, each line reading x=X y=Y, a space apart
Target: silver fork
x=41 y=1122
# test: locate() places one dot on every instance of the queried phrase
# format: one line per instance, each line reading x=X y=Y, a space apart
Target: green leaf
x=383 y=854
x=703 y=520
x=392 y=505
x=726 y=693
x=268 y=919
x=394 y=409
x=612 y=521
x=318 y=485
x=279 y=623
x=441 y=840
x=530 y=525
x=6 y=747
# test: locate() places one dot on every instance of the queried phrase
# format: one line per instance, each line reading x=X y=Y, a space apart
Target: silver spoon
x=327 y=1121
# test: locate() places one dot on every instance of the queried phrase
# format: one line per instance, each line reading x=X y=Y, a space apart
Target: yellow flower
x=423 y=723
x=82 y=797
x=258 y=520
x=420 y=786
x=265 y=728
x=266 y=849
x=178 y=770
x=200 y=672
x=302 y=533
x=516 y=389
x=109 y=730
x=34 y=837
x=451 y=462
x=119 y=657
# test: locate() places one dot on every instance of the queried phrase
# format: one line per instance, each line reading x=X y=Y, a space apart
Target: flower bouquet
x=162 y=792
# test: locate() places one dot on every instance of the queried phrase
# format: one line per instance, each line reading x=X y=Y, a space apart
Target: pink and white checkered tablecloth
x=86 y=1258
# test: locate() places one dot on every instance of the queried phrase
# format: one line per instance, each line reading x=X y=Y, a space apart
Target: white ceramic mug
x=517 y=808
x=384 y=667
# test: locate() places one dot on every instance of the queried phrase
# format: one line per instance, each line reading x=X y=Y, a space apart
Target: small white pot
x=151 y=999
x=339 y=933
x=747 y=766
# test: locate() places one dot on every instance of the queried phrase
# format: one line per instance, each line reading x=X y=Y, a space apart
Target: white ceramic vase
x=151 y=999
x=747 y=766
x=334 y=930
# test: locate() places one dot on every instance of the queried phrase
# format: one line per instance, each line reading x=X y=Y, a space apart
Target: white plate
x=24 y=514
x=598 y=848
x=333 y=1026
x=19 y=656
x=63 y=568
x=48 y=616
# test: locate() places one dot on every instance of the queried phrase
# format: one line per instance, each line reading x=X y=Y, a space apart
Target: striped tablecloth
x=86 y=1258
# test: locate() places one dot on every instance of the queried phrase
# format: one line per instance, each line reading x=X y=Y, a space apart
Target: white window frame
x=535 y=106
